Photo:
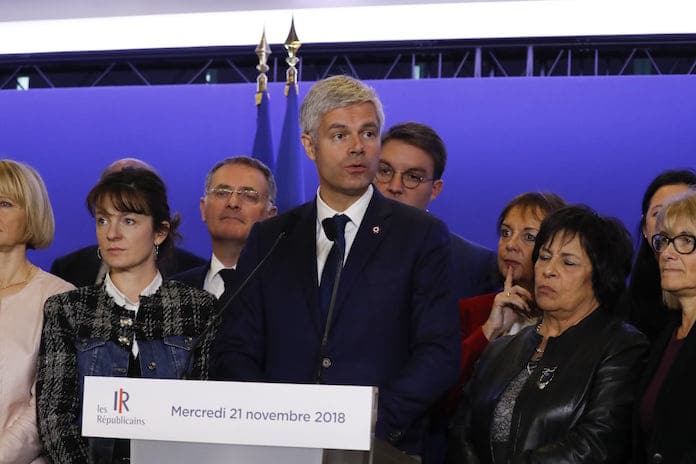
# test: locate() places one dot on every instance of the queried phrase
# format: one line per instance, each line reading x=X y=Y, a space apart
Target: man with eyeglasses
x=354 y=288
x=410 y=171
x=239 y=192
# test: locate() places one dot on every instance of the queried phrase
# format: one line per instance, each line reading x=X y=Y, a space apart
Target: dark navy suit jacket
x=475 y=268
x=194 y=277
x=395 y=324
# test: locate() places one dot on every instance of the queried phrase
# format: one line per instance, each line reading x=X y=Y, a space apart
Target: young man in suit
x=410 y=171
x=392 y=321
x=239 y=192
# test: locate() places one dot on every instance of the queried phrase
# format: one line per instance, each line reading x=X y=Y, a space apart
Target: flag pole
x=290 y=175
x=263 y=140
x=292 y=45
x=263 y=51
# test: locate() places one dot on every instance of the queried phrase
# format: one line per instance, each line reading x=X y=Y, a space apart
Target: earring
x=156 y=250
x=99 y=255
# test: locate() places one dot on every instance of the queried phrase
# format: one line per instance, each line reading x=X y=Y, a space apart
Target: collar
x=216 y=265
x=356 y=211
x=122 y=300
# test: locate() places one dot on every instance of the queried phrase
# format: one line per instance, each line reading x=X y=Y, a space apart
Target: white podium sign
x=264 y=414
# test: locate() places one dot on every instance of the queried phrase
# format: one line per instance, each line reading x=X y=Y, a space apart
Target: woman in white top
x=26 y=222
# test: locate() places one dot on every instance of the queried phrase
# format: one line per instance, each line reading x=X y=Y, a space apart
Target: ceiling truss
x=401 y=60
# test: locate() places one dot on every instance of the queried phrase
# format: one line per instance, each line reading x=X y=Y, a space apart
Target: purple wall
x=593 y=140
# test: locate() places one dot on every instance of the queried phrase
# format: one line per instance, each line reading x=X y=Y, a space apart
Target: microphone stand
x=223 y=305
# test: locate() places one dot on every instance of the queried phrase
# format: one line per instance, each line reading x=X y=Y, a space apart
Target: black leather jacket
x=583 y=412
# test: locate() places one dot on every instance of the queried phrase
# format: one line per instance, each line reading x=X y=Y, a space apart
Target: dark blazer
x=81 y=267
x=475 y=268
x=395 y=323
x=674 y=421
x=194 y=277
x=576 y=405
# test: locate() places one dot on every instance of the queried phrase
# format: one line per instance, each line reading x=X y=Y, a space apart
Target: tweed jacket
x=84 y=333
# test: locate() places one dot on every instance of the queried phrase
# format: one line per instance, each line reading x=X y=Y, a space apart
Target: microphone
x=223 y=305
x=329 y=226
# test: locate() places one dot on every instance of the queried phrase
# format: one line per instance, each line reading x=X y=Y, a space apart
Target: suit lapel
x=373 y=228
x=304 y=261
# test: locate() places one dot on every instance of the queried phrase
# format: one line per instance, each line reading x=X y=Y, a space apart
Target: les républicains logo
x=120 y=413
x=121 y=397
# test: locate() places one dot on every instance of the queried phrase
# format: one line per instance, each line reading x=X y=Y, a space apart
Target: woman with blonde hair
x=26 y=222
x=666 y=412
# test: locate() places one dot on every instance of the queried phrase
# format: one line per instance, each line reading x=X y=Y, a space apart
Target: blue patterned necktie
x=333 y=261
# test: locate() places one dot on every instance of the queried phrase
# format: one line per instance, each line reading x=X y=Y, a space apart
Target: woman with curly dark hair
x=562 y=391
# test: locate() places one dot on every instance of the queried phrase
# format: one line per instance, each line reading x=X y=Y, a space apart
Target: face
x=13 y=222
x=126 y=240
x=563 y=276
x=405 y=159
x=346 y=152
x=678 y=271
x=231 y=219
x=661 y=196
x=517 y=235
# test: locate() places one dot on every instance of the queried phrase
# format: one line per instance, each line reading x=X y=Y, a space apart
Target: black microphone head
x=329 y=226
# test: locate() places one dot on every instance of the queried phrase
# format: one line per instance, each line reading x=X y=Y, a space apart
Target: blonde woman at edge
x=26 y=222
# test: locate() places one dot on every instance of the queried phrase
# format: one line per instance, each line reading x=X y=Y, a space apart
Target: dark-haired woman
x=643 y=306
x=562 y=391
x=134 y=324
x=486 y=317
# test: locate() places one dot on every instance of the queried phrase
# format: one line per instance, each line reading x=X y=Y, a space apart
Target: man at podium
x=353 y=288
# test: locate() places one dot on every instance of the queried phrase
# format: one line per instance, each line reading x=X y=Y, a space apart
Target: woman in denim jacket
x=133 y=325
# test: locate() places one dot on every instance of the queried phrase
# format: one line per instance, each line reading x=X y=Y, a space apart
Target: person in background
x=84 y=267
x=239 y=192
x=411 y=166
x=486 y=317
x=643 y=306
x=563 y=390
x=26 y=222
x=134 y=324
x=666 y=413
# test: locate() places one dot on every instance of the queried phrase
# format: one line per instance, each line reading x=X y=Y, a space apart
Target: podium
x=189 y=421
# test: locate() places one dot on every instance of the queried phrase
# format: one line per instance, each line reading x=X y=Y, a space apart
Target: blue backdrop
x=596 y=140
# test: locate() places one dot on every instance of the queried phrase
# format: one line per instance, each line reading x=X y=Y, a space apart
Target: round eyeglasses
x=409 y=179
x=247 y=195
x=684 y=244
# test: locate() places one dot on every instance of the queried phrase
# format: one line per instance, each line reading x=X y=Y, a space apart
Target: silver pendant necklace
x=547 y=373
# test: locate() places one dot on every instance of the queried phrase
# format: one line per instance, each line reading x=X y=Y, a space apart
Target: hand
x=509 y=306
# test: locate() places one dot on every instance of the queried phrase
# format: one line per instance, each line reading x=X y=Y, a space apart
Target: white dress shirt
x=356 y=213
x=213 y=283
